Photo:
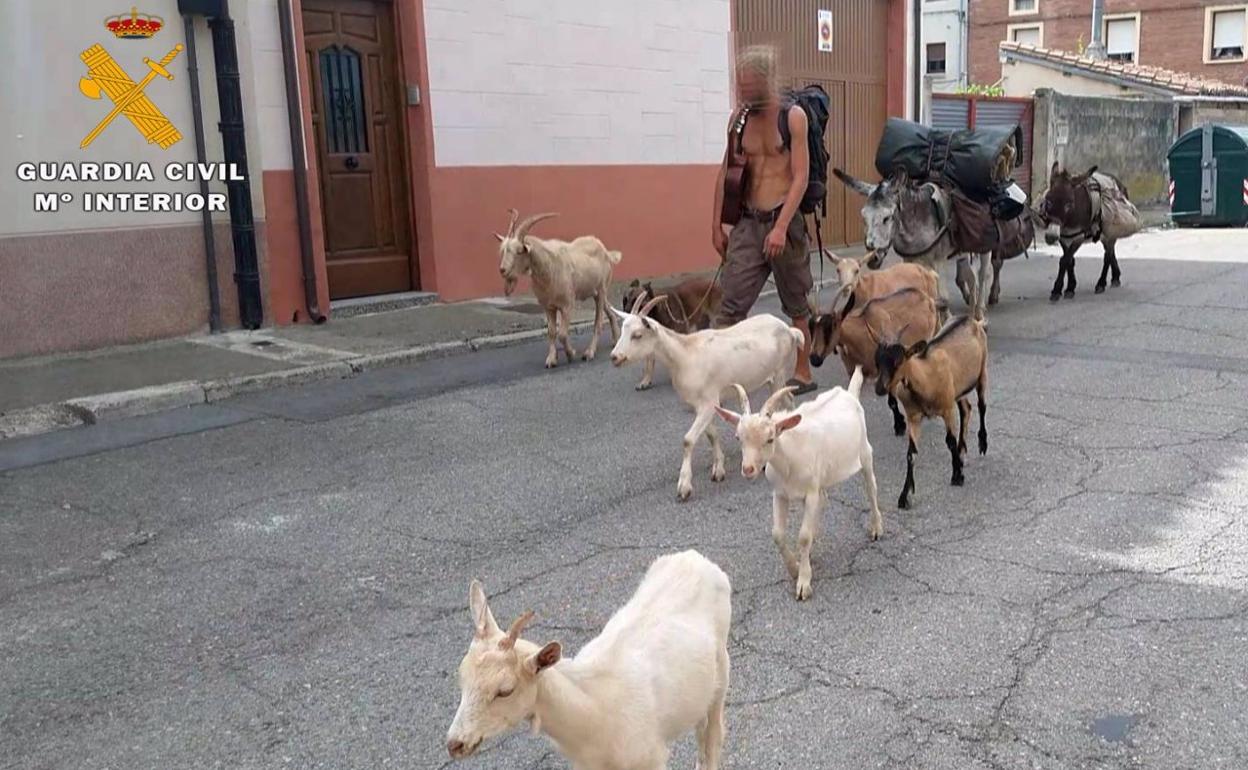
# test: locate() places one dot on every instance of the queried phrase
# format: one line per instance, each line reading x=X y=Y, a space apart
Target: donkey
x=1071 y=211
x=905 y=217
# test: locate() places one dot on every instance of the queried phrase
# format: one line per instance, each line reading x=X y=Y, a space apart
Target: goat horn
x=641 y=297
x=646 y=308
x=513 y=633
x=745 y=398
x=769 y=407
x=523 y=228
x=511 y=226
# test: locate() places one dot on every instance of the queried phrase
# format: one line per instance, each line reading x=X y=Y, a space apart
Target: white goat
x=658 y=670
x=806 y=452
x=760 y=350
x=562 y=273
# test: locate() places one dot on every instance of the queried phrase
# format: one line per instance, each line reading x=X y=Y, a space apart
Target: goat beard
x=509 y=286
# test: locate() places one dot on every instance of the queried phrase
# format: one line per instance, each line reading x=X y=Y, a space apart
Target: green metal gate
x=1209 y=177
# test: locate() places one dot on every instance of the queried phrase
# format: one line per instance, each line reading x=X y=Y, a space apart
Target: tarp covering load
x=975 y=162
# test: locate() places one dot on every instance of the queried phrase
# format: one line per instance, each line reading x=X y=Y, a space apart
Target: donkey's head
x=879 y=212
x=1061 y=202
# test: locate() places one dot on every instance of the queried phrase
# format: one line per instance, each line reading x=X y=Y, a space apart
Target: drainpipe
x=210 y=241
x=299 y=159
x=916 y=18
x=234 y=139
x=1096 y=48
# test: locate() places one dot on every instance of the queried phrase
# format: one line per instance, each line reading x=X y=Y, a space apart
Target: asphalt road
x=280 y=580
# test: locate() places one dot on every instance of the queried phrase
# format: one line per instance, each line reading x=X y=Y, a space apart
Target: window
x=343 y=90
x=935 y=58
x=1024 y=7
x=1224 y=34
x=1026 y=34
x=1122 y=37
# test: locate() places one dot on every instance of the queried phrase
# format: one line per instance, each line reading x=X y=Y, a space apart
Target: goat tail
x=799 y=337
x=855 y=383
x=614 y=257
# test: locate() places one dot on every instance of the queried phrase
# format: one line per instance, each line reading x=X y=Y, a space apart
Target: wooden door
x=854 y=73
x=357 y=118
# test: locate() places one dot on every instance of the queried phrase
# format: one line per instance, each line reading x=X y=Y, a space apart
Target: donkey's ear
x=1091 y=171
x=1057 y=169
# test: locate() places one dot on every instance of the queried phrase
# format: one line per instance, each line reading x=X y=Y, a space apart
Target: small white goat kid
x=760 y=350
x=658 y=670
x=806 y=452
x=562 y=273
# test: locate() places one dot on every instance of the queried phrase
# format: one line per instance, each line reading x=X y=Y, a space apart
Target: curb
x=89 y=410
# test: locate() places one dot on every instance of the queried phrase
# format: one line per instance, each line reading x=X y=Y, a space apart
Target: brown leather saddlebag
x=974 y=230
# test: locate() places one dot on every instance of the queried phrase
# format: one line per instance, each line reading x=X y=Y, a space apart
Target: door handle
x=352 y=162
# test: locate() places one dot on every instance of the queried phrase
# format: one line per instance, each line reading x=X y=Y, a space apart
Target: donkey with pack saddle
x=942 y=198
x=1089 y=207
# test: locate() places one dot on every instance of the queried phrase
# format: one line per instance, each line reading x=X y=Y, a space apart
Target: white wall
x=1020 y=78
x=944 y=21
x=613 y=82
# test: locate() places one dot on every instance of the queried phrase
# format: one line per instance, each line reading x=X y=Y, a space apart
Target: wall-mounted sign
x=825 y=30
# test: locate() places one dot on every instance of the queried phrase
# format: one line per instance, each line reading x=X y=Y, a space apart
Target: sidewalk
x=47 y=393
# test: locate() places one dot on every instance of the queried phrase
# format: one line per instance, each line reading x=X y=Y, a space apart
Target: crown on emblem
x=137 y=25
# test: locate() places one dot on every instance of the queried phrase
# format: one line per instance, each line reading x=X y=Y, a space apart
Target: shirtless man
x=771 y=236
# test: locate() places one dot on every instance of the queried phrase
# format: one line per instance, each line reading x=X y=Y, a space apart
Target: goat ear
x=618 y=314
x=788 y=423
x=917 y=349
x=729 y=416
x=544 y=658
x=482 y=619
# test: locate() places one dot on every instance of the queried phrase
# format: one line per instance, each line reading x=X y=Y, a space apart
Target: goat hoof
x=1068 y=294
x=983 y=445
x=957 y=480
x=903 y=503
x=804 y=591
x=1055 y=296
x=1100 y=289
x=1115 y=283
x=684 y=493
x=587 y=356
x=899 y=429
x=644 y=385
x=551 y=364
x=718 y=474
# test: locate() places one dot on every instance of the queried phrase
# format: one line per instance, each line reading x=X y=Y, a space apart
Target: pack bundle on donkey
x=946 y=194
x=1091 y=207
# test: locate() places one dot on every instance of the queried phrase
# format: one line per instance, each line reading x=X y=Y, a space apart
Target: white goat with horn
x=761 y=350
x=806 y=451
x=658 y=670
x=562 y=273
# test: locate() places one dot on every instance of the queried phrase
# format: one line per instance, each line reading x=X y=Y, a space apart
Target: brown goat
x=688 y=307
x=932 y=378
x=908 y=314
x=862 y=284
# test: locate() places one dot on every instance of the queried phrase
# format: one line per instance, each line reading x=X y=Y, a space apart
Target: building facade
x=1205 y=38
x=945 y=53
x=416 y=125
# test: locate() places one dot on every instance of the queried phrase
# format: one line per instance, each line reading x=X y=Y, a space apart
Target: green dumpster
x=1209 y=177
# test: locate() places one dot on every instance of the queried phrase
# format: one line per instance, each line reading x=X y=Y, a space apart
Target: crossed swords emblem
x=105 y=76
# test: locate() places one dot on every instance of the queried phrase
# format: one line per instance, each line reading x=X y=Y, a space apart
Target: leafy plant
x=976 y=89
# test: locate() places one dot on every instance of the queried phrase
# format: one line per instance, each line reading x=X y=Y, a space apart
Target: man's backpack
x=815 y=103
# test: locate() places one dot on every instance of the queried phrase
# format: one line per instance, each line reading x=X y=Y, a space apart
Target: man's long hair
x=764 y=61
